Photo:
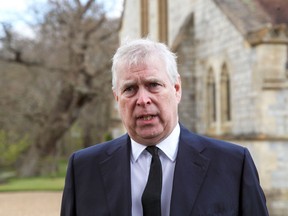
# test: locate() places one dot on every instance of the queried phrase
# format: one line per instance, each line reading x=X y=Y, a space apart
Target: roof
x=258 y=20
x=276 y=9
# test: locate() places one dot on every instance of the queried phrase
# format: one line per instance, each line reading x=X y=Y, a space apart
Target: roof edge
x=276 y=34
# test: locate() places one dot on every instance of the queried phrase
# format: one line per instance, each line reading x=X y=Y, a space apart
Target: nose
x=143 y=98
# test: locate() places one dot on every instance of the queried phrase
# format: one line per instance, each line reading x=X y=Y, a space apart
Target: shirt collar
x=168 y=146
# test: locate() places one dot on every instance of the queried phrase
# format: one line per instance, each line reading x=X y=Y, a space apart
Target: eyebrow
x=128 y=83
x=153 y=80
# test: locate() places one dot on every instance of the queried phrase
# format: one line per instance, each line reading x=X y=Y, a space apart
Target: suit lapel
x=190 y=172
x=116 y=178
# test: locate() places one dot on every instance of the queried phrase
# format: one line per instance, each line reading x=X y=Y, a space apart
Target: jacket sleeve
x=68 y=207
x=253 y=201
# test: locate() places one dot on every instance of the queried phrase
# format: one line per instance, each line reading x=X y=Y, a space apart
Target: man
x=189 y=174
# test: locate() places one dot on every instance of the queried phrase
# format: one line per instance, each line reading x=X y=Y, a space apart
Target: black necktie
x=151 y=197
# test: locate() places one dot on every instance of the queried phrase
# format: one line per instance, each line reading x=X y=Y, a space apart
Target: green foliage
x=52 y=167
x=62 y=168
x=11 y=147
x=72 y=141
x=108 y=137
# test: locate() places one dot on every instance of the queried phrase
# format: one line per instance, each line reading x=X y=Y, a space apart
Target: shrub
x=11 y=147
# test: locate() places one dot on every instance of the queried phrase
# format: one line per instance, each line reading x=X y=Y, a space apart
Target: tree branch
x=33 y=64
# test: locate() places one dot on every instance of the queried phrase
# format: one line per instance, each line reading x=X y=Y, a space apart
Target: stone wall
x=271 y=160
x=218 y=43
x=131 y=22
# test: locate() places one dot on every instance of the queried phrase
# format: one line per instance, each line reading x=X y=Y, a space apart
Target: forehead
x=152 y=68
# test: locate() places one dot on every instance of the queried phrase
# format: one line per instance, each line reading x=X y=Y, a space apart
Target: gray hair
x=140 y=51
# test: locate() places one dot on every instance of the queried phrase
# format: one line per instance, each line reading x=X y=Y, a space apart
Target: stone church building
x=233 y=62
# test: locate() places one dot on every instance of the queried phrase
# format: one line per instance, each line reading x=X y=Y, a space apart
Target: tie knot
x=153 y=150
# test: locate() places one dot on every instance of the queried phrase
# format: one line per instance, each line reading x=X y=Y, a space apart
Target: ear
x=115 y=95
x=178 y=89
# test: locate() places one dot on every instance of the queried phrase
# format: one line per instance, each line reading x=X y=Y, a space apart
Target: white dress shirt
x=140 y=166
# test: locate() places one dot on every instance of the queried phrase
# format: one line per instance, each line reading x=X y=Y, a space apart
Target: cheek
x=169 y=106
x=124 y=107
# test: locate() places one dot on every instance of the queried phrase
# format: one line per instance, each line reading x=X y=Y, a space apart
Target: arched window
x=225 y=93
x=287 y=62
x=211 y=98
x=144 y=18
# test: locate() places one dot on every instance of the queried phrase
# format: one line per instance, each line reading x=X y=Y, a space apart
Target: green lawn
x=42 y=183
x=33 y=184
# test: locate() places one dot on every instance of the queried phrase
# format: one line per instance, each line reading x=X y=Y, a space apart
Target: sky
x=16 y=12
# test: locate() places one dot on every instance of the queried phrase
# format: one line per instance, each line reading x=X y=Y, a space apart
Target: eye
x=129 y=90
x=154 y=86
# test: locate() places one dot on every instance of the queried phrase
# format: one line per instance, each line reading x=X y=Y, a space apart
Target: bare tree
x=75 y=40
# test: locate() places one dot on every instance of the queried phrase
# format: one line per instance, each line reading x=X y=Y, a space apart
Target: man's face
x=148 y=101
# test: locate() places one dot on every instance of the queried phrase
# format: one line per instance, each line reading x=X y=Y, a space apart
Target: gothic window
x=211 y=98
x=287 y=62
x=163 y=20
x=144 y=18
x=225 y=95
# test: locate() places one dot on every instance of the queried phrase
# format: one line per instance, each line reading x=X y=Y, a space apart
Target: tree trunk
x=87 y=138
x=40 y=155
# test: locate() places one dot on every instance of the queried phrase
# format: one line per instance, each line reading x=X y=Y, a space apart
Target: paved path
x=30 y=204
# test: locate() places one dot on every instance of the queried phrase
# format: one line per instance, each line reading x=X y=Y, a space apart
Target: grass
x=42 y=183
x=33 y=184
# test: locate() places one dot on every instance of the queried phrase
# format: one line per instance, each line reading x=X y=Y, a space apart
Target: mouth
x=146 y=117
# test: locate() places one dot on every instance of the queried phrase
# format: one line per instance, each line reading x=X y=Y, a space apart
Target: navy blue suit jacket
x=212 y=177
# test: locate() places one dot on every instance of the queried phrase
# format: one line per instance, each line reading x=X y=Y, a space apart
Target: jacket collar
x=190 y=172
x=115 y=172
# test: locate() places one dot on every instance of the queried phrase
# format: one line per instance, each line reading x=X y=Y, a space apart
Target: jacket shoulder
x=101 y=150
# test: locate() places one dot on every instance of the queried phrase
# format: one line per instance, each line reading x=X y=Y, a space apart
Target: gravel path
x=30 y=204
